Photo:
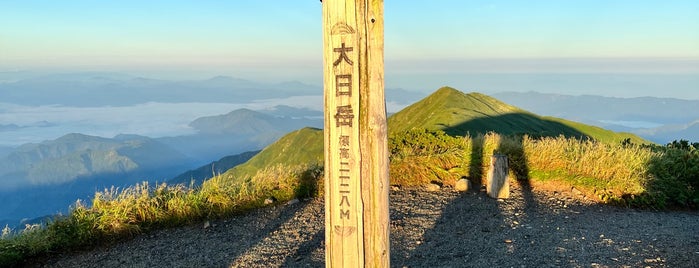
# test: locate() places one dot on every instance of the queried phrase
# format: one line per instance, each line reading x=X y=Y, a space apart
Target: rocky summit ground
x=533 y=228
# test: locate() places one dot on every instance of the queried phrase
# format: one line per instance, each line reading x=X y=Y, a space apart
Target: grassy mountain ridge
x=446 y=109
x=303 y=146
x=458 y=113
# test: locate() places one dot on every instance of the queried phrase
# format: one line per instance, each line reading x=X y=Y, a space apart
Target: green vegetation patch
x=301 y=147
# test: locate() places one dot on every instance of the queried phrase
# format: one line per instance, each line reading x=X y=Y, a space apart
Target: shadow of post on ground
x=505 y=215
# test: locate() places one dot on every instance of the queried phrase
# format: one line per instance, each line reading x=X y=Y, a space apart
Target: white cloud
x=148 y=119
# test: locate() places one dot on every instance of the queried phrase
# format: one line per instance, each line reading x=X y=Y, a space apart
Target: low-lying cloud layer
x=39 y=123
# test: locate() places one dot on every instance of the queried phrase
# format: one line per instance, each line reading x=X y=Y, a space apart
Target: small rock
x=207 y=224
x=395 y=188
x=292 y=201
x=576 y=191
x=269 y=201
x=432 y=187
x=462 y=185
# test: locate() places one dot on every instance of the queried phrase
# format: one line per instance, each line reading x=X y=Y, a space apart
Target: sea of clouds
x=39 y=123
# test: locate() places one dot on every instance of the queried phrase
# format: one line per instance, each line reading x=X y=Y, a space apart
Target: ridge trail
x=541 y=228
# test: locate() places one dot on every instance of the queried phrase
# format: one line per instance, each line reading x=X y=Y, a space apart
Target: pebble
x=432 y=187
x=462 y=185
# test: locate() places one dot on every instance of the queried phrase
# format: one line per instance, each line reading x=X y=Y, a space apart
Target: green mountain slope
x=458 y=113
x=303 y=146
x=446 y=109
x=207 y=171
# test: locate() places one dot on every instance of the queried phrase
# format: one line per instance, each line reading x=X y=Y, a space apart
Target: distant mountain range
x=77 y=156
x=594 y=108
x=247 y=122
x=198 y=175
x=657 y=119
x=240 y=130
x=4 y=150
x=45 y=178
x=113 y=89
x=95 y=89
x=667 y=133
x=9 y=127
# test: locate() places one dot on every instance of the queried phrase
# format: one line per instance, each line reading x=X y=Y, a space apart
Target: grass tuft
x=121 y=213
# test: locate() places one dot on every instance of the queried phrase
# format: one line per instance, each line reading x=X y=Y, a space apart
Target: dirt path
x=428 y=229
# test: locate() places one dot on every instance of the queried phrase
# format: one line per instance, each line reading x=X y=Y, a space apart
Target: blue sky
x=281 y=39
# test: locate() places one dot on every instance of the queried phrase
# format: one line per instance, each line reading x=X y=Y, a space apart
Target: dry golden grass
x=619 y=173
x=117 y=213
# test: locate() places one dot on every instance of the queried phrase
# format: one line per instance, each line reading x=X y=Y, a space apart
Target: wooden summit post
x=356 y=153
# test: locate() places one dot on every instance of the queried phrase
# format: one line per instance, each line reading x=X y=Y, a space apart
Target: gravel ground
x=428 y=229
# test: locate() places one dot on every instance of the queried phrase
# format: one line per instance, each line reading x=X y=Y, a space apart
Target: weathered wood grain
x=356 y=154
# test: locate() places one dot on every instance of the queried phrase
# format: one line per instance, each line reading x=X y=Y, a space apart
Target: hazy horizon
x=153 y=118
x=621 y=48
x=427 y=44
x=679 y=85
